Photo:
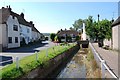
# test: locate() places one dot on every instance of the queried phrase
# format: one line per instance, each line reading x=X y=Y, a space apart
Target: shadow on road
x=27 y=49
x=4 y=60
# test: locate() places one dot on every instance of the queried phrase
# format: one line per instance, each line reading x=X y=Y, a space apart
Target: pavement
x=23 y=51
x=110 y=56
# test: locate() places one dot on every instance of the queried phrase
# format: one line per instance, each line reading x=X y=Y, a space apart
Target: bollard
x=17 y=62
x=102 y=69
x=36 y=55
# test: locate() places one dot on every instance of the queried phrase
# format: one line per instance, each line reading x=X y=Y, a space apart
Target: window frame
x=15 y=27
x=16 y=39
x=9 y=39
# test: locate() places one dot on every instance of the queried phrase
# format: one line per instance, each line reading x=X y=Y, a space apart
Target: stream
x=75 y=68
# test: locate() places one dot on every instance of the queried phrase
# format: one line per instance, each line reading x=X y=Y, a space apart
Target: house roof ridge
x=116 y=22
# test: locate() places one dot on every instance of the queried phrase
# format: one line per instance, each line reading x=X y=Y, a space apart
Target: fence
x=16 y=59
x=105 y=70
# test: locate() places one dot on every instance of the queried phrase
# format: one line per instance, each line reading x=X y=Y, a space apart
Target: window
x=9 y=39
x=28 y=30
x=16 y=39
x=15 y=27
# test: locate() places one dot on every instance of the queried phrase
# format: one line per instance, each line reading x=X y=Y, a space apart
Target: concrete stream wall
x=54 y=65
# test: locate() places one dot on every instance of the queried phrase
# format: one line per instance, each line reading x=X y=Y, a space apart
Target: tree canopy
x=95 y=29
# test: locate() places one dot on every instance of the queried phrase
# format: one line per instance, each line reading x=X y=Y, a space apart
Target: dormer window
x=15 y=27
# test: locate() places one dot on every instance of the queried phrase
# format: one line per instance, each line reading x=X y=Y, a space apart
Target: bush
x=52 y=36
x=77 y=38
x=56 y=38
x=23 y=43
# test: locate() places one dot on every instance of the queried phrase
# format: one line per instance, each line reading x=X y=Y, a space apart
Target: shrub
x=52 y=36
x=77 y=38
x=23 y=43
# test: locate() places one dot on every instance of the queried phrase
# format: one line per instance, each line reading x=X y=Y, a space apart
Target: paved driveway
x=25 y=51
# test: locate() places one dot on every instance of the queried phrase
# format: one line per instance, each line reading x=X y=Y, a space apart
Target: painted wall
x=115 y=36
x=35 y=36
x=3 y=35
x=26 y=33
x=0 y=33
x=108 y=42
x=12 y=33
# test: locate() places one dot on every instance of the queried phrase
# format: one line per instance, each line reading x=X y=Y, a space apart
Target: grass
x=93 y=71
x=29 y=63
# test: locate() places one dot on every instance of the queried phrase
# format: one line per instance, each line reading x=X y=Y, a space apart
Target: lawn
x=29 y=63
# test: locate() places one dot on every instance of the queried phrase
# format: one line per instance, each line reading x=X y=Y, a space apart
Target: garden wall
x=54 y=64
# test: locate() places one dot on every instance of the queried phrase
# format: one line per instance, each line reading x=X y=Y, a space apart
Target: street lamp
x=98 y=17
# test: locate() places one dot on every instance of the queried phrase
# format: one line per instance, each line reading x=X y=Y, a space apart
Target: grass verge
x=93 y=71
x=29 y=63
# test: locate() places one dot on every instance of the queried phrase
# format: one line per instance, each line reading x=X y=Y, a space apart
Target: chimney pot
x=31 y=22
x=22 y=15
x=2 y=7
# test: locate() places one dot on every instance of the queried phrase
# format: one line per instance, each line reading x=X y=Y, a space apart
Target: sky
x=49 y=17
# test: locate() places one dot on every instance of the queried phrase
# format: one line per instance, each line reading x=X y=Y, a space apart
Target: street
x=24 y=51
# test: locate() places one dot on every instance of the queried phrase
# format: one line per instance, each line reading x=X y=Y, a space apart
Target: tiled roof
x=116 y=22
x=68 y=32
x=4 y=14
x=20 y=19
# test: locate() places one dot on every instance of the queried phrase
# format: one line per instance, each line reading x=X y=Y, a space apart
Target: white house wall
x=12 y=33
x=115 y=37
x=25 y=34
x=35 y=36
x=3 y=35
x=119 y=38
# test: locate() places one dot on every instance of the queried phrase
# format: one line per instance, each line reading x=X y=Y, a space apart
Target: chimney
x=9 y=8
x=31 y=22
x=22 y=15
x=2 y=7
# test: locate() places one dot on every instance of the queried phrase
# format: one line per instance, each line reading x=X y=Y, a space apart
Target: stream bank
x=82 y=65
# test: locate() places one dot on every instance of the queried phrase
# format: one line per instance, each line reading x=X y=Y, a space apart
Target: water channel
x=75 y=68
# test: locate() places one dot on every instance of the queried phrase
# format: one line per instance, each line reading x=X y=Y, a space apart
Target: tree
x=90 y=27
x=71 y=28
x=78 y=24
x=96 y=30
x=105 y=29
x=52 y=36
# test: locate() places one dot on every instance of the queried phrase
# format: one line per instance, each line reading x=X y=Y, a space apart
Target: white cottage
x=14 y=29
x=25 y=29
x=35 y=34
x=9 y=29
